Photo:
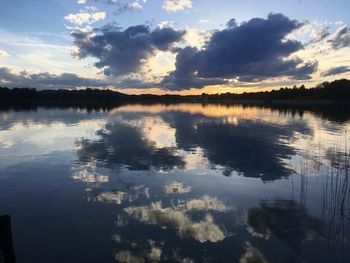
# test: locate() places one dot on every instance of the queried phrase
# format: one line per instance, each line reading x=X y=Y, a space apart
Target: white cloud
x=130 y=6
x=155 y=214
x=153 y=254
x=3 y=53
x=116 y=197
x=176 y=188
x=179 y=217
x=85 y=18
x=87 y=176
x=176 y=5
x=196 y=38
x=135 y=6
x=81 y=2
x=207 y=203
x=203 y=21
x=166 y=23
x=33 y=53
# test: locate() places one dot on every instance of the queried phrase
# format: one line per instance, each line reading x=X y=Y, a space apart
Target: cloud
x=122 y=5
x=235 y=146
x=85 y=18
x=176 y=5
x=120 y=52
x=3 y=53
x=335 y=71
x=137 y=154
x=110 y=2
x=320 y=35
x=207 y=203
x=133 y=6
x=133 y=83
x=176 y=188
x=341 y=38
x=272 y=216
x=203 y=21
x=119 y=197
x=141 y=252
x=202 y=231
x=46 y=80
x=126 y=256
x=87 y=176
x=252 y=254
x=253 y=51
x=116 y=197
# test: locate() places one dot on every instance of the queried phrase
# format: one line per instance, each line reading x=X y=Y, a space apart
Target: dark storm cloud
x=46 y=80
x=336 y=71
x=184 y=76
x=341 y=38
x=120 y=52
x=253 y=51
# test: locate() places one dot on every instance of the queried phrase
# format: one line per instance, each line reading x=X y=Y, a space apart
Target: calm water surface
x=175 y=183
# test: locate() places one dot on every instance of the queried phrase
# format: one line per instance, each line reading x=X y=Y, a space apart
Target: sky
x=173 y=46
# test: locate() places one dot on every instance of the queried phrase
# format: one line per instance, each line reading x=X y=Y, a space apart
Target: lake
x=176 y=183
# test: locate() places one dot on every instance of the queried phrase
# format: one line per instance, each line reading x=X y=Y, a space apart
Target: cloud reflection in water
x=179 y=218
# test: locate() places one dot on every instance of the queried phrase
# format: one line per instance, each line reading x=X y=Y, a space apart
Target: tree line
x=338 y=90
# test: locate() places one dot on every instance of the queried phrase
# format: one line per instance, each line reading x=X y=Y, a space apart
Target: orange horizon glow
x=207 y=90
x=222 y=89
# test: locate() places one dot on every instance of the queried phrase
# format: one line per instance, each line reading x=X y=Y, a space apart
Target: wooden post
x=7 y=254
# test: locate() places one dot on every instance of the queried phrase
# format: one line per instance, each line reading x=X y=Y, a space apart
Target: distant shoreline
x=326 y=93
x=296 y=102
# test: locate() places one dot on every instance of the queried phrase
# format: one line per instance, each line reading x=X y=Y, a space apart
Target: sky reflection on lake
x=176 y=183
